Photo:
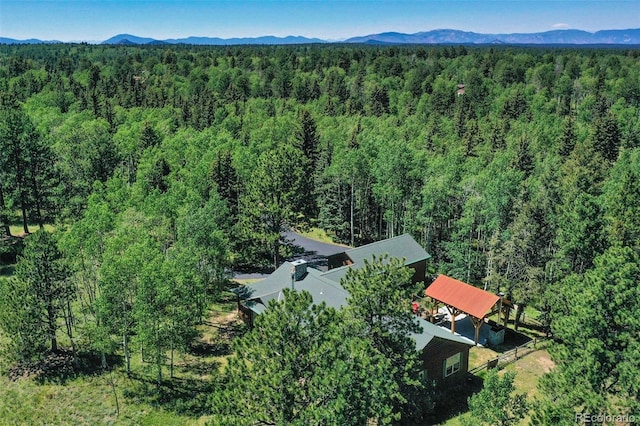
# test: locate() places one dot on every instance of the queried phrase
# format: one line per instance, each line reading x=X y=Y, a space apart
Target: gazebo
x=460 y=297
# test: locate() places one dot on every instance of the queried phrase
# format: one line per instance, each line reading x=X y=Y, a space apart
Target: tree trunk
x=36 y=196
x=115 y=394
x=159 y=364
x=3 y=216
x=127 y=358
x=23 y=207
x=20 y=180
x=275 y=255
x=51 y=319
x=519 y=311
x=68 y=321
x=172 y=351
x=351 y=213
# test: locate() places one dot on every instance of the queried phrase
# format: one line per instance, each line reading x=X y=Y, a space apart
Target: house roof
x=327 y=283
x=467 y=298
x=402 y=246
x=278 y=280
x=325 y=286
x=271 y=288
x=431 y=331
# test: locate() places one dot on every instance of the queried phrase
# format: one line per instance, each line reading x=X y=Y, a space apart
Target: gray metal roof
x=402 y=246
x=321 y=288
x=337 y=274
x=278 y=280
x=325 y=286
x=431 y=331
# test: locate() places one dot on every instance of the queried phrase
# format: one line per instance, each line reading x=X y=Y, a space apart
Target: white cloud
x=560 y=26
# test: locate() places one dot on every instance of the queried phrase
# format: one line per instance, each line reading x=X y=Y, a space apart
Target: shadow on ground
x=512 y=338
x=180 y=395
x=61 y=366
x=452 y=401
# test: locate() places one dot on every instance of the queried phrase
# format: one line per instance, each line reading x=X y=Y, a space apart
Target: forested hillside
x=163 y=167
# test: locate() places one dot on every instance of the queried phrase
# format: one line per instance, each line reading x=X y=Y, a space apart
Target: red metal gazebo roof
x=462 y=296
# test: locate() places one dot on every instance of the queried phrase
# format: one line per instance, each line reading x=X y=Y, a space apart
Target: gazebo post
x=506 y=312
x=454 y=313
x=477 y=324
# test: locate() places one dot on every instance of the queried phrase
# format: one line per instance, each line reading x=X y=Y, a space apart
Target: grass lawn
x=528 y=371
x=82 y=401
x=88 y=399
x=17 y=229
x=318 y=234
x=247 y=280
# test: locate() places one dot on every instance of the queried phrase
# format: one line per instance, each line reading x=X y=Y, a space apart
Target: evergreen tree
x=568 y=138
x=18 y=140
x=270 y=203
x=607 y=137
x=299 y=365
x=379 y=309
x=495 y=404
x=597 y=327
x=307 y=142
x=36 y=298
x=622 y=200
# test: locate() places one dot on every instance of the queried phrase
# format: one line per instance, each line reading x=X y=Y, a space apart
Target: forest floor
x=88 y=397
x=17 y=230
x=320 y=235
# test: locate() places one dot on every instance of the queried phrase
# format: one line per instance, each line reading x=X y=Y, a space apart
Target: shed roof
x=467 y=298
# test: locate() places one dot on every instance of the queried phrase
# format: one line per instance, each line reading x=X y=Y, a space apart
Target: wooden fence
x=511 y=355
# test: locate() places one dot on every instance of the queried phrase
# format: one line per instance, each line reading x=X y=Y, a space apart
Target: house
x=461 y=89
x=445 y=355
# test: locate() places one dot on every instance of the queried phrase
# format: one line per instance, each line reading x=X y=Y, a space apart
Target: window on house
x=452 y=364
x=423 y=375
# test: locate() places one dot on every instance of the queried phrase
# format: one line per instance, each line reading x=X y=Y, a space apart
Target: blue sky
x=95 y=20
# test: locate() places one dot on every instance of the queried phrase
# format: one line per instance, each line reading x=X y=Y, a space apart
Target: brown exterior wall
x=245 y=313
x=341 y=259
x=420 y=271
x=337 y=260
x=434 y=355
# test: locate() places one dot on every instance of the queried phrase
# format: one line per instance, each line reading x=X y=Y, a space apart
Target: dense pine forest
x=154 y=171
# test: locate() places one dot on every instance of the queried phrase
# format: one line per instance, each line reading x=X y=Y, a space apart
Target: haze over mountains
x=570 y=37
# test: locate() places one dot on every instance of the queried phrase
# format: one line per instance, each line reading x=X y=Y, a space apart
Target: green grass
x=17 y=229
x=528 y=371
x=318 y=234
x=89 y=399
x=82 y=401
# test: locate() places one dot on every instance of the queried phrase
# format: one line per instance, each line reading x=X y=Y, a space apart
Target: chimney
x=298 y=269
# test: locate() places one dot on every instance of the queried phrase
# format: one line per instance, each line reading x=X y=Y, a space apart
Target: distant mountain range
x=570 y=37
x=631 y=36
